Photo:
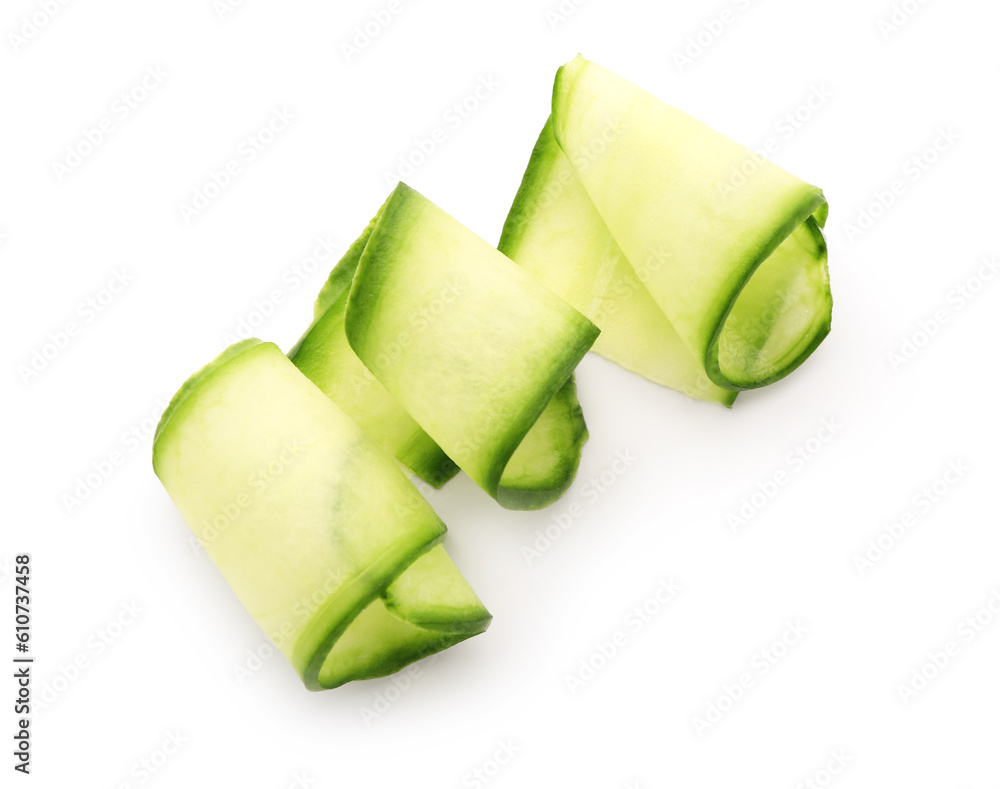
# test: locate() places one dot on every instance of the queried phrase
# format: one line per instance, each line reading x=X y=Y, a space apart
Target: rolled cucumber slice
x=326 y=358
x=315 y=527
x=542 y=467
x=554 y=231
x=623 y=189
x=473 y=348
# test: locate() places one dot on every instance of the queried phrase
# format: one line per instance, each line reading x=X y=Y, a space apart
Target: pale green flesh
x=661 y=184
x=309 y=519
x=472 y=347
x=554 y=231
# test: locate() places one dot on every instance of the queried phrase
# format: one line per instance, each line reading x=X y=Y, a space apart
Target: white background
x=173 y=669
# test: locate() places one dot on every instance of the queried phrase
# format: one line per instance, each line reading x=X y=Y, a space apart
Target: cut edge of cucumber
x=797 y=353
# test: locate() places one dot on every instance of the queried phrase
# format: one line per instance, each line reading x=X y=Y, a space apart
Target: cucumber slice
x=312 y=523
x=738 y=271
x=472 y=347
x=542 y=467
x=325 y=357
x=554 y=231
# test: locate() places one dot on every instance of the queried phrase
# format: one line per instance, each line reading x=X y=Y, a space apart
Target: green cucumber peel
x=315 y=527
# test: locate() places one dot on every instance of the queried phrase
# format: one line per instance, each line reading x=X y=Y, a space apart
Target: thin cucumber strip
x=545 y=462
x=472 y=346
x=697 y=215
x=554 y=232
x=311 y=522
x=325 y=357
